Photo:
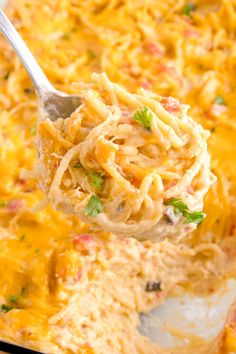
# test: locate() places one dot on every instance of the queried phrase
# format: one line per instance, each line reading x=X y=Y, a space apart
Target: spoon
x=55 y=104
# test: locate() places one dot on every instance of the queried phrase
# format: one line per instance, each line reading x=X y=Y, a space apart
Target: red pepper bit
x=77 y=277
x=23 y=182
x=170 y=70
x=146 y=84
x=190 y=189
x=191 y=33
x=232 y=229
x=125 y=117
x=82 y=240
x=56 y=165
x=208 y=115
x=164 y=68
x=153 y=48
x=15 y=205
x=187 y=19
x=171 y=104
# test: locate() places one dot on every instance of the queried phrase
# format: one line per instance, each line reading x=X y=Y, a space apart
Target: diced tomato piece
x=125 y=113
x=153 y=48
x=56 y=165
x=15 y=205
x=163 y=68
x=167 y=69
x=82 y=239
x=171 y=104
x=22 y=181
x=190 y=189
x=125 y=117
x=146 y=84
x=208 y=115
x=232 y=229
x=191 y=33
x=212 y=290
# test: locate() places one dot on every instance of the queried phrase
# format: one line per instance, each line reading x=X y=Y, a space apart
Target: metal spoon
x=54 y=103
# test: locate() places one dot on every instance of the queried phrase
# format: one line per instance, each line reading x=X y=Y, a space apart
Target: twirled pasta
x=120 y=158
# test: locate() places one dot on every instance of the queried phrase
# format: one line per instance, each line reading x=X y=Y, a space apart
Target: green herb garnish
x=77 y=165
x=97 y=180
x=219 y=100
x=213 y=129
x=22 y=237
x=5 y=308
x=194 y=216
x=14 y=299
x=94 y=206
x=144 y=117
x=182 y=208
x=188 y=9
x=3 y=203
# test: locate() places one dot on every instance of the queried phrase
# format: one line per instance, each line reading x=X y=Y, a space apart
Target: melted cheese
x=78 y=291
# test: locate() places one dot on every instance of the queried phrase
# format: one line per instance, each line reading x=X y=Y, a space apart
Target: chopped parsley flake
x=188 y=9
x=3 y=203
x=97 y=180
x=182 y=208
x=21 y=238
x=144 y=117
x=213 y=129
x=77 y=165
x=13 y=299
x=6 y=308
x=94 y=206
x=219 y=100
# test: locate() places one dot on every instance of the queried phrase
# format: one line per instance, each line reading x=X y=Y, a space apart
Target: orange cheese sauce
x=150 y=44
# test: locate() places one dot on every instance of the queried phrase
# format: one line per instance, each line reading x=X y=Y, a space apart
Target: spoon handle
x=36 y=74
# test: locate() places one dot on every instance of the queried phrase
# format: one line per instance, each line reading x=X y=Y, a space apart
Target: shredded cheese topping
x=79 y=291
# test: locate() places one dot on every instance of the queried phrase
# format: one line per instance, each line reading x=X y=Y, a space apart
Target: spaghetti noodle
x=125 y=162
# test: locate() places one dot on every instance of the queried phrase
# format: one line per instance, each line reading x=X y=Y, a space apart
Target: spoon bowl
x=56 y=104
